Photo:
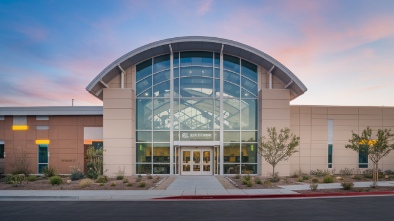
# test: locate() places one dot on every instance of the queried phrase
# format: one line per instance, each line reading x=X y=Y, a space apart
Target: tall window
x=1 y=149
x=330 y=129
x=363 y=156
x=42 y=157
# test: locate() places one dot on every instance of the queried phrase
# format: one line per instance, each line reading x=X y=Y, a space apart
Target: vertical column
x=172 y=111
x=221 y=149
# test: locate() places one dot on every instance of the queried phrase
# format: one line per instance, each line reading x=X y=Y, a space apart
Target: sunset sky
x=343 y=51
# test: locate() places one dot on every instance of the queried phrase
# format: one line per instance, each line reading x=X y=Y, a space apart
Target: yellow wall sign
x=20 y=127
x=42 y=141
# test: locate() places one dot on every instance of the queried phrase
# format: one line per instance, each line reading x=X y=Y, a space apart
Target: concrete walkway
x=181 y=186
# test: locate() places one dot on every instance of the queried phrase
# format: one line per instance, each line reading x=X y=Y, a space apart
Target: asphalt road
x=355 y=208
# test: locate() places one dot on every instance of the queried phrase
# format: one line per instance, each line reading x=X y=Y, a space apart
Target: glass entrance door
x=196 y=161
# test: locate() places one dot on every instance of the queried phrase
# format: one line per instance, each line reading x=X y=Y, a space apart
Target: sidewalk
x=202 y=187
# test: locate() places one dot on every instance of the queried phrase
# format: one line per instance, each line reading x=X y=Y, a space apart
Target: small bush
x=389 y=172
x=142 y=184
x=237 y=176
x=347 y=185
x=297 y=173
x=76 y=175
x=125 y=180
x=346 y=171
x=300 y=179
x=86 y=183
x=150 y=177
x=305 y=177
x=102 y=179
x=315 y=180
x=15 y=180
x=129 y=184
x=247 y=177
x=113 y=184
x=31 y=178
x=257 y=180
x=55 y=180
x=267 y=183
x=249 y=184
x=313 y=186
x=357 y=177
x=275 y=179
x=119 y=177
x=320 y=173
x=328 y=179
x=101 y=184
x=138 y=179
x=49 y=171
x=19 y=162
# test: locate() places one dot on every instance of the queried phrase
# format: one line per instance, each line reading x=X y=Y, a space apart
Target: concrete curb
x=275 y=196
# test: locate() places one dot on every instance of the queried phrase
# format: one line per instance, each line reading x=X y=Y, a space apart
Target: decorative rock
x=68 y=181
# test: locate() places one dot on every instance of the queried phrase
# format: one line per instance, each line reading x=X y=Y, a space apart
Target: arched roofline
x=196 y=43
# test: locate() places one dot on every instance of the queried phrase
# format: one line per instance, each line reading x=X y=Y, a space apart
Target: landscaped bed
x=43 y=183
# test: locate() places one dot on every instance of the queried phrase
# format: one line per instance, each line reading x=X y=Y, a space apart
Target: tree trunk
x=375 y=174
x=273 y=171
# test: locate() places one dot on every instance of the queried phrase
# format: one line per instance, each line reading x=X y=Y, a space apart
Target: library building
x=190 y=106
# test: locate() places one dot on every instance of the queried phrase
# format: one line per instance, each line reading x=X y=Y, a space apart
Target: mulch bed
x=43 y=184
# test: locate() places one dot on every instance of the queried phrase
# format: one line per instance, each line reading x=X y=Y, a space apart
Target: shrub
x=347 y=185
x=31 y=178
x=113 y=184
x=86 y=183
x=19 y=162
x=129 y=184
x=119 y=177
x=328 y=179
x=389 y=172
x=257 y=180
x=305 y=177
x=320 y=173
x=55 y=180
x=125 y=180
x=313 y=186
x=102 y=179
x=315 y=180
x=94 y=165
x=267 y=183
x=150 y=177
x=300 y=179
x=15 y=180
x=297 y=174
x=237 y=176
x=249 y=184
x=76 y=174
x=357 y=177
x=138 y=179
x=275 y=179
x=142 y=184
x=346 y=171
x=49 y=171
x=247 y=177
x=101 y=184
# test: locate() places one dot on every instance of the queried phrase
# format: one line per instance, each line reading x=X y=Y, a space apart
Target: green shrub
x=55 y=180
x=328 y=179
x=275 y=179
x=320 y=173
x=346 y=171
x=31 y=178
x=76 y=175
x=113 y=184
x=267 y=183
x=237 y=176
x=94 y=165
x=142 y=184
x=49 y=171
x=125 y=180
x=247 y=177
x=86 y=183
x=101 y=184
x=347 y=185
x=257 y=180
x=244 y=182
x=249 y=184
x=313 y=186
x=305 y=177
x=15 y=180
x=102 y=179
x=300 y=179
x=129 y=184
x=315 y=180
x=119 y=177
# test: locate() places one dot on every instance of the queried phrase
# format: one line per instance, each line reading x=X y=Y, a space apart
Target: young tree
x=94 y=163
x=278 y=147
x=376 y=148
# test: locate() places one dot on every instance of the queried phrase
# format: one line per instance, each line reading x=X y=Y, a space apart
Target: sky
x=342 y=50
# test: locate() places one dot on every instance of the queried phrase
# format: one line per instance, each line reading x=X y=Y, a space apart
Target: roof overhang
x=51 y=110
x=196 y=43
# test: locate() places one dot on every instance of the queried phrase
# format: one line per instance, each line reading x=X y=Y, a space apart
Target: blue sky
x=343 y=51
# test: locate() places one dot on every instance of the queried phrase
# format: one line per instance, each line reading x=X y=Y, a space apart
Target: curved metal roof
x=196 y=43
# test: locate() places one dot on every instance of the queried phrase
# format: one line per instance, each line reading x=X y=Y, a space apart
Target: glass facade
x=42 y=157
x=183 y=101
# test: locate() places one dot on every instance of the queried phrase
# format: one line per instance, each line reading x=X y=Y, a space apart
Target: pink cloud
x=204 y=7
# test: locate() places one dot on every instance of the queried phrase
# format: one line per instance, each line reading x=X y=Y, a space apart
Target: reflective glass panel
x=217 y=114
x=176 y=59
x=231 y=63
x=161 y=63
x=144 y=136
x=249 y=153
x=249 y=70
x=162 y=90
x=249 y=168
x=161 y=76
x=231 y=169
x=161 y=168
x=231 y=136
x=247 y=136
x=195 y=114
x=217 y=60
x=197 y=58
x=143 y=69
x=230 y=90
x=231 y=153
x=249 y=114
x=194 y=71
x=196 y=87
x=144 y=114
x=144 y=152
x=231 y=77
x=250 y=86
x=143 y=86
x=161 y=136
x=144 y=168
x=231 y=115
x=42 y=153
x=161 y=114
x=161 y=153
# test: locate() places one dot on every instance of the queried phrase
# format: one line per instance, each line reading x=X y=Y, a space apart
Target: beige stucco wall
x=310 y=123
x=274 y=112
x=118 y=132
